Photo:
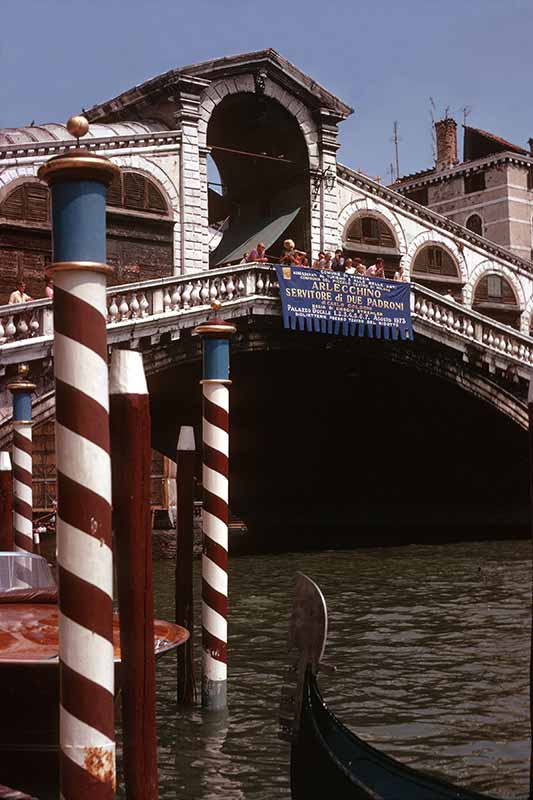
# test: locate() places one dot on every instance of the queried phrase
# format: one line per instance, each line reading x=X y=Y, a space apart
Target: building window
x=418 y=196
x=475 y=224
x=27 y=203
x=475 y=182
x=434 y=260
x=371 y=231
x=495 y=297
x=530 y=178
x=137 y=193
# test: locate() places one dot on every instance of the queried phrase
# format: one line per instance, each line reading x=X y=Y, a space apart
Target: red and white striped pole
x=21 y=390
x=6 y=503
x=216 y=334
x=78 y=182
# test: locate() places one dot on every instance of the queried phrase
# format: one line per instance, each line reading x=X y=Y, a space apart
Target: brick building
x=490 y=191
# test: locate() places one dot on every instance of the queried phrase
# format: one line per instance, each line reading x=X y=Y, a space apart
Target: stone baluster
x=213 y=292
x=34 y=324
x=241 y=288
x=134 y=307
x=259 y=284
x=167 y=301
x=186 y=295
x=230 y=287
x=113 y=310
x=175 y=298
x=2 y=331
x=11 y=328
x=124 y=309
x=204 y=293
x=144 y=305
x=22 y=327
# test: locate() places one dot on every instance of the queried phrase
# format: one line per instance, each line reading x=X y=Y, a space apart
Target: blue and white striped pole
x=216 y=334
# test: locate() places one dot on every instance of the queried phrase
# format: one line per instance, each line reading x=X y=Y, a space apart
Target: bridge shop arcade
x=205 y=173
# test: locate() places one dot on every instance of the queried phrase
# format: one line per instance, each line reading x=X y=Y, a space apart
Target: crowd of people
x=325 y=260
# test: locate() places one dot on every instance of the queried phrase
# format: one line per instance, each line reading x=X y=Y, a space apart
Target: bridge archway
x=495 y=296
x=360 y=437
x=262 y=158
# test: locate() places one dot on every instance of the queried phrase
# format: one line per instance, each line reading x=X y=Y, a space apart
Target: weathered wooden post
x=216 y=334
x=22 y=390
x=185 y=459
x=78 y=181
x=6 y=503
x=132 y=523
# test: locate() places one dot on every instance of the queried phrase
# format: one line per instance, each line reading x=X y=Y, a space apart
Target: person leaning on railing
x=19 y=295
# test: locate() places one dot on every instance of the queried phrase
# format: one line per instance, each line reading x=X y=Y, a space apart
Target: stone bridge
x=485 y=358
x=382 y=430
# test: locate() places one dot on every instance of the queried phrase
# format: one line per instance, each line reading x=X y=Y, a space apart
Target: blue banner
x=333 y=302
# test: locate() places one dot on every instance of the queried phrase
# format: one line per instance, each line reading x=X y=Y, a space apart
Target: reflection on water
x=431 y=646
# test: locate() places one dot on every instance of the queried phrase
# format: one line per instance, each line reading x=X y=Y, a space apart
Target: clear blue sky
x=384 y=58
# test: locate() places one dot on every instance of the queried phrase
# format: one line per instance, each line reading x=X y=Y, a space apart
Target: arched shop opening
x=262 y=162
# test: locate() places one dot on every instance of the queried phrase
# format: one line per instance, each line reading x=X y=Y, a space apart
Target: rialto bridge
x=355 y=420
x=357 y=434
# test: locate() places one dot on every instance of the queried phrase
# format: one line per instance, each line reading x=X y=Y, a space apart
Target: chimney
x=530 y=142
x=446 y=133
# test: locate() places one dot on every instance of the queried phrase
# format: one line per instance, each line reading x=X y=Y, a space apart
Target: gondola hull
x=328 y=760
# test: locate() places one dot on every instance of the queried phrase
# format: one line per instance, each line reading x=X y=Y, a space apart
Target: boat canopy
x=24 y=571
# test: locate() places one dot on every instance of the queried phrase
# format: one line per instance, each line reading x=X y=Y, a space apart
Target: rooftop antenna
x=433 y=114
x=467 y=110
x=391 y=170
x=396 y=139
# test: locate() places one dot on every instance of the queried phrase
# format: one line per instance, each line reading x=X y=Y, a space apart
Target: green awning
x=242 y=237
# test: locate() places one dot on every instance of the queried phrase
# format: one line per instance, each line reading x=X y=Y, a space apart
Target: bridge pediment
x=196 y=77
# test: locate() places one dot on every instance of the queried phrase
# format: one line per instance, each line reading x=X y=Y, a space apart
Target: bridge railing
x=177 y=294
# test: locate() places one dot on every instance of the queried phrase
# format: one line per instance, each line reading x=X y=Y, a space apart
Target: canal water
x=431 y=646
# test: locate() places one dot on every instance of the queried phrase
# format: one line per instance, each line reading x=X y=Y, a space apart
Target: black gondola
x=327 y=759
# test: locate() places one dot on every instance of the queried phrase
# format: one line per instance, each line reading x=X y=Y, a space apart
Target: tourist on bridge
x=337 y=263
x=399 y=274
x=258 y=254
x=359 y=266
x=19 y=295
x=316 y=262
x=245 y=259
x=377 y=270
x=49 y=288
x=349 y=268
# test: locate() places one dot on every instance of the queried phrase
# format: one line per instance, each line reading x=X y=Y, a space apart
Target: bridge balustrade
x=132 y=304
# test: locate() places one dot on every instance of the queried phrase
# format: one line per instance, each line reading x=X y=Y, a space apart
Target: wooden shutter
x=114 y=193
x=134 y=189
x=13 y=206
x=37 y=203
x=155 y=200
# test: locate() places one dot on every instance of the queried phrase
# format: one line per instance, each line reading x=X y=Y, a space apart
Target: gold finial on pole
x=216 y=305
x=78 y=126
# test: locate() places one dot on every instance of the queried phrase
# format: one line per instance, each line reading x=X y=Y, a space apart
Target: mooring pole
x=21 y=390
x=78 y=181
x=185 y=459
x=215 y=334
x=6 y=503
x=131 y=461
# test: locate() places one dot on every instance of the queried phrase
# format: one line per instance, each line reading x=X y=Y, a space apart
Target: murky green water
x=432 y=650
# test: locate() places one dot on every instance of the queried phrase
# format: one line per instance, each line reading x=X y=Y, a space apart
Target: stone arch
x=150 y=169
x=11 y=178
x=218 y=90
x=365 y=206
x=434 y=238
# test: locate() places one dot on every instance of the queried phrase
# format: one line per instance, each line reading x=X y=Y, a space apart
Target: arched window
x=435 y=268
x=371 y=231
x=27 y=203
x=137 y=193
x=495 y=297
x=474 y=223
x=434 y=260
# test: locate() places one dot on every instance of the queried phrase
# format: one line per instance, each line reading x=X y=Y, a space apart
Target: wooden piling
x=186 y=689
x=6 y=503
x=131 y=460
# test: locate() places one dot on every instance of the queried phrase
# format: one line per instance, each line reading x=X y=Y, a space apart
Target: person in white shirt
x=19 y=295
x=399 y=275
x=449 y=295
